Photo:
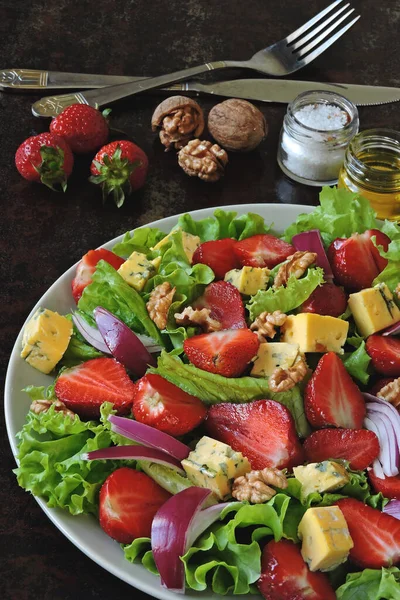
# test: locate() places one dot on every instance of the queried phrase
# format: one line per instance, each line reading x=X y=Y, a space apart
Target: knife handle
x=19 y=80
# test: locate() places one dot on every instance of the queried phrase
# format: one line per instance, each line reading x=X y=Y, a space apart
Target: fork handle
x=110 y=94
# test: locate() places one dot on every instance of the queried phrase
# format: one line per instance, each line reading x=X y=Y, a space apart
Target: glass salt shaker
x=317 y=128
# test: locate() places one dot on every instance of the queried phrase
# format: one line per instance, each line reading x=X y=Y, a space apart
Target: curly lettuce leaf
x=109 y=290
x=78 y=351
x=371 y=584
x=286 y=298
x=357 y=363
x=50 y=466
x=224 y=224
x=340 y=214
x=391 y=273
x=227 y=556
x=140 y=240
x=213 y=389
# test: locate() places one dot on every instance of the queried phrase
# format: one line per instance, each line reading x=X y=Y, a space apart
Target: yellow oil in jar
x=372 y=168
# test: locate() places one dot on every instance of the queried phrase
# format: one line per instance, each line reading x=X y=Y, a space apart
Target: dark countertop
x=43 y=233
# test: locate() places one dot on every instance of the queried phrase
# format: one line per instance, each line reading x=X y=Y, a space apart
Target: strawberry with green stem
x=120 y=168
x=45 y=158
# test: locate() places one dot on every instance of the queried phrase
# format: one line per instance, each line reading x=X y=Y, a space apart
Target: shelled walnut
x=203 y=159
x=237 y=125
x=179 y=119
x=254 y=487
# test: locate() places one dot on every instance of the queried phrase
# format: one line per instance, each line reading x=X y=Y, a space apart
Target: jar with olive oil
x=372 y=168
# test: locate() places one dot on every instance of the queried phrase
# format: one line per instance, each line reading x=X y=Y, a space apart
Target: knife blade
x=263 y=90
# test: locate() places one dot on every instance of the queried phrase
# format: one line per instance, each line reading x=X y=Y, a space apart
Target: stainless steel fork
x=286 y=56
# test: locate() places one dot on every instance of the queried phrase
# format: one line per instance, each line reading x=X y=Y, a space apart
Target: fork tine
x=302 y=40
x=293 y=36
x=323 y=35
x=310 y=57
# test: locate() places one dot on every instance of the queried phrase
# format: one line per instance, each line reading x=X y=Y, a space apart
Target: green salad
x=285 y=366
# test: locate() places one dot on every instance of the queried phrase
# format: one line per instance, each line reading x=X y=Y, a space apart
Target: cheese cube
x=325 y=476
x=215 y=465
x=136 y=270
x=326 y=538
x=315 y=333
x=190 y=243
x=45 y=339
x=272 y=355
x=248 y=280
x=156 y=262
x=373 y=309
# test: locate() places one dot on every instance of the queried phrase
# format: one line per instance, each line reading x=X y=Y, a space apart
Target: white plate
x=84 y=531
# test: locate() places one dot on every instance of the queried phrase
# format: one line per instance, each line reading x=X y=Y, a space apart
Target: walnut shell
x=237 y=125
x=179 y=119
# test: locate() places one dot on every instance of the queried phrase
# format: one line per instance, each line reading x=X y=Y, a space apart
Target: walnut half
x=391 y=392
x=264 y=325
x=203 y=159
x=159 y=302
x=296 y=264
x=43 y=405
x=255 y=487
x=283 y=380
x=200 y=317
x=178 y=119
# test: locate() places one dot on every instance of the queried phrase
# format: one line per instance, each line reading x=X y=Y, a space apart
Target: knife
x=264 y=90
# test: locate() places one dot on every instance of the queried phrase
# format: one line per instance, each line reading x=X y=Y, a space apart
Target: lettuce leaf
x=371 y=584
x=109 y=290
x=139 y=240
x=340 y=214
x=286 y=298
x=357 y=363
x=224 y=224
x=49 y=450
x=391 y=273
x=78 y=351
x=213 y=389
x=227 y=557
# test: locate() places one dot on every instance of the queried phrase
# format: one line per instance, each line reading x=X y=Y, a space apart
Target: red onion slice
x=387 y=442
x=171 y=533
x=311 y=241
x=135 y=453
x=393 y=508
x=392 y=330
x=89 y=333
x=148 y=436
x=377 y=468
x=124 y=345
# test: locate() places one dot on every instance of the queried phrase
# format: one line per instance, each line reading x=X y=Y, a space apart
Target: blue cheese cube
x=137 y=270
x=326 y=538
x=325 y=476
x=45 y=339
x=272 y=355
x=214 y=465
x=248 y=280
x=374 y=309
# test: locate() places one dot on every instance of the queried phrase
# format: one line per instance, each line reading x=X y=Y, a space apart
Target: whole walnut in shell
x=179 y=119
x=237 y=125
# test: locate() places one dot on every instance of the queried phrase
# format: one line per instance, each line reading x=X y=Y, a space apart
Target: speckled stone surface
x=43 y=233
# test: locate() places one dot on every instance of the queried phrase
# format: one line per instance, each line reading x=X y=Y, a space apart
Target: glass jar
x=317 y=128
x=372 y=168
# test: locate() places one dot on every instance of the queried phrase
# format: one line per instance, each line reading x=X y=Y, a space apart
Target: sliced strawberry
x=285 y=575
x=327 y=299
x=87 y=266
x=223 y=352
x=128 y=501
x=381 y=383
x=389 y=486
x=166 y=407
x=225 y=304
x=376 y=535
x=355 y=261
x=331 y=396
x=262 y=250
x=262 y=430
x=385 y=354
x=359 y=446
x=84 y=388
x=218 y=255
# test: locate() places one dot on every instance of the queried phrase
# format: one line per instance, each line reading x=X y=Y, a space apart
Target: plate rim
x=62 y=519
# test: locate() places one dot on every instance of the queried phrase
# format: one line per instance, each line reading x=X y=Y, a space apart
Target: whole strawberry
x=45 y=158
x=120 y=168
x=83 y=127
